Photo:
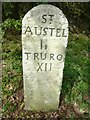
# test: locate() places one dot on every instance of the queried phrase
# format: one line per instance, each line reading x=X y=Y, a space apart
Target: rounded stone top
x=43 y=8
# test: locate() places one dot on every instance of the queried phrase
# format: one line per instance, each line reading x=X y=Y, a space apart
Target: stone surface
x=44 y=40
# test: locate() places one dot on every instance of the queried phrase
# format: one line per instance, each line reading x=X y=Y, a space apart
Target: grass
x=75 y=81
x=76 y=68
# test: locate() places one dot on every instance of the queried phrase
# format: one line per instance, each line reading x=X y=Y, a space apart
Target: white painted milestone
x=44 y=40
